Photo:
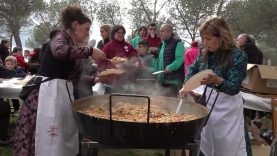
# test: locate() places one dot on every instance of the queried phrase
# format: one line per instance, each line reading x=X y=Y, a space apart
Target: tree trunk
x=11 y=42
x=16 y=35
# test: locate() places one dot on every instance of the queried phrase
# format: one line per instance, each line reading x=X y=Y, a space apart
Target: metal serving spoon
x=158 y=72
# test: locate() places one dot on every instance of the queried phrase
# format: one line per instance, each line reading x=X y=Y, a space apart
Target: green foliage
x=89 y=7
x=256 y=17
x=143 y=12
x=45 y=20
x=15 y=15
x=190 y=14
x=108 y=12
x=40 y=35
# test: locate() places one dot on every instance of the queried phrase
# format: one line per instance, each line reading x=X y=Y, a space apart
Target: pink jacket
x=190 y=56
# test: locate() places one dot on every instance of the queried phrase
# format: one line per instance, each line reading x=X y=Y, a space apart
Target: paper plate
x=195 y=80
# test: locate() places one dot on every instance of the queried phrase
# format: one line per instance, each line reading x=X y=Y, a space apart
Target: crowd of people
x=61 y=62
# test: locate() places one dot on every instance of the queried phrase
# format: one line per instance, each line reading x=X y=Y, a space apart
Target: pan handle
x=127 y=95
x=131 y=95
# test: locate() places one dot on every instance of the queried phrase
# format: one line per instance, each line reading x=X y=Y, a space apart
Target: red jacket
x=153 y=42
x=119 y=49
x=20 y=60
x=190 y=56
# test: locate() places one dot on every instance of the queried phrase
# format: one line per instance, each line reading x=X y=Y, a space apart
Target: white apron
x=224 y=133
x=56 y=130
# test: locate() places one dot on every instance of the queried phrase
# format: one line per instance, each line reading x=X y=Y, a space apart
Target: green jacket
x=174 y=66
x=233 y=73
x=135 y=41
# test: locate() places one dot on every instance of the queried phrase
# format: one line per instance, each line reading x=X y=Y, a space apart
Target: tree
x=90 y=8
x=108 y=12
x=48 y=19
x=40 y=34
x=44 y=21
x=143 y=12
x=188 y=15
x=14 y=15
x=258 y=18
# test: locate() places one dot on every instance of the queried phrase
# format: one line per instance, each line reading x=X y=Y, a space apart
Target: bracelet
x=220 y=83
x=91 y=50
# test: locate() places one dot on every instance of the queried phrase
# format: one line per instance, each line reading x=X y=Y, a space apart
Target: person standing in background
x=171 y=60
x=247 y=44
x=149 y=63
x=153 y=39
x=45 y=46
x=34 y=61
x=4 y=49
x=5 y=109
x=17 y=53
x=118 y=47
x=34 y=55
x=142 y=32
x=11 y=64
x=105 y=32
x=190 y=55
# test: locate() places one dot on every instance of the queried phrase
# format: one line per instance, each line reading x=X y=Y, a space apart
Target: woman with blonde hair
x=105 y=32
x=223 y=134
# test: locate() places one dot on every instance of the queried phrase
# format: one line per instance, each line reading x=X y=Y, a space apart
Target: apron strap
x=68 y=91
x=212 y=105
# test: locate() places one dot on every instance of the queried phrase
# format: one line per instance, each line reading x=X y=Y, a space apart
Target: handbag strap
x=47 y=79
x=38 y=83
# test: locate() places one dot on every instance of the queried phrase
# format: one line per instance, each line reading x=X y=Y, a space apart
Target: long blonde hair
x=218 y=27
x=107 y=28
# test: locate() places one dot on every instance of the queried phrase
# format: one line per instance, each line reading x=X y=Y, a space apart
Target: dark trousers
x=201 y=153
x=15 y=104
x=5 y=112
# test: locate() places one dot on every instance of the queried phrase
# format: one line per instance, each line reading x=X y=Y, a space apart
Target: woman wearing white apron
x=46 y=125
x=224 y=133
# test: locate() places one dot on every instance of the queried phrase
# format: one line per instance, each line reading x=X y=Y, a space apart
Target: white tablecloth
x=10 y=88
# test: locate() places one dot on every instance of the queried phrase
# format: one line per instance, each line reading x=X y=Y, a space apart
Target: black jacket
x=101 y=43
x=255 y=56
x=4 y=52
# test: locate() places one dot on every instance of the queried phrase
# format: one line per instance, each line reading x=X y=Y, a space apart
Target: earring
x=76 y=32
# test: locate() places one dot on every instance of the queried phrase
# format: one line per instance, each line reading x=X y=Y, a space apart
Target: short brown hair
x=144 y=43
x=116 y=28
x=152 y=25
x=142 y=27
